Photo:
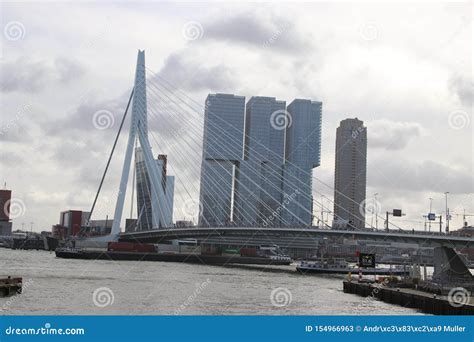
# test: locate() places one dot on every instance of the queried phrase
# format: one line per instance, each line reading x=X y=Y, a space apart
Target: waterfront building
x=303 y=154
x=350 y=174
x=260 y=177
x=222 y=154
x=247 y=175
x=147 y=201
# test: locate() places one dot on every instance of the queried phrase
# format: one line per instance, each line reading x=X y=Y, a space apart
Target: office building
x=247 y=172
x=260 y=176
x=222 y=154
x=147 y=201
x=350 y=174
x=303 y=153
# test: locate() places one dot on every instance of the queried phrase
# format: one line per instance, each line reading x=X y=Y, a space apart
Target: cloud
x=11 y=158
x=90 y=114
x=463 y=88
x=24 y=75
x=310 y=50
x=430 y=176
x=186 y=72
x=392 y=135
x=257 y=29
x=68 y=70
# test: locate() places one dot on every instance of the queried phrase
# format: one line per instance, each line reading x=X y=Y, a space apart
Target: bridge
x=292 y=237
x=155 y=204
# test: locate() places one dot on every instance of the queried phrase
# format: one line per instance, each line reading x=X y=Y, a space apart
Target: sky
x=67 y=70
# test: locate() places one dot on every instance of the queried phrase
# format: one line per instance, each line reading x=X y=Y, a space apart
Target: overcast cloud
x=404 y=69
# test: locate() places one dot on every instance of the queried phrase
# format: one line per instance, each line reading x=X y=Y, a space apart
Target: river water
x=54 y=286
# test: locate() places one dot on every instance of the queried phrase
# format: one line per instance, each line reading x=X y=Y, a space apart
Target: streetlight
x=447 y=213
x=376 y=216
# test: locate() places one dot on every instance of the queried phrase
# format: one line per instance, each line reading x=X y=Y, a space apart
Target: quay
x=411 y=298
x=10 y=286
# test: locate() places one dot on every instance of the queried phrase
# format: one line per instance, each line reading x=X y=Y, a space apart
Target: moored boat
x=341 y=266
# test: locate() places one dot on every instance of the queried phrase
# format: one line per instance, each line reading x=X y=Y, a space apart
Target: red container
x=144 y=248
x=248 y=251
x=209 y=250
x=130 y=247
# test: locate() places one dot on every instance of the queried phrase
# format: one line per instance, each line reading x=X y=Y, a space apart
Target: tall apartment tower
x=303 y=153
x=260 y=178
x=350 y=174
x=222 y=154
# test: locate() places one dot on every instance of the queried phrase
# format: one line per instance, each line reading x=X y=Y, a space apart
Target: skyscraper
x=350 y=174
x=259 y=181
x=243 y=176
x=222 y=153
x=303 y=150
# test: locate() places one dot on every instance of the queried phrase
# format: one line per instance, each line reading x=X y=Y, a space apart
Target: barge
x=179 y=251
x=340 y=266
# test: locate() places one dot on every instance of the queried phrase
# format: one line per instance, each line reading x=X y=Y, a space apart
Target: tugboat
x=341 y=266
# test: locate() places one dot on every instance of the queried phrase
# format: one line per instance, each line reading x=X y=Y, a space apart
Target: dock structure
x=10 y=286
x=411 y=298
x=449 y=292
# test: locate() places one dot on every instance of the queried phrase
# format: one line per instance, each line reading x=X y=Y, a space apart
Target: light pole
x=322 y=211
x=447 y=213
x=431 y=207
x=376 y=216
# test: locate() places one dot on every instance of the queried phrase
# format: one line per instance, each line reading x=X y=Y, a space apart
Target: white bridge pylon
x=139 y=126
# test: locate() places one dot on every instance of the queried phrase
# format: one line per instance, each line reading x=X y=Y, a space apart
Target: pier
x=411 y=298
x=10 y=286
